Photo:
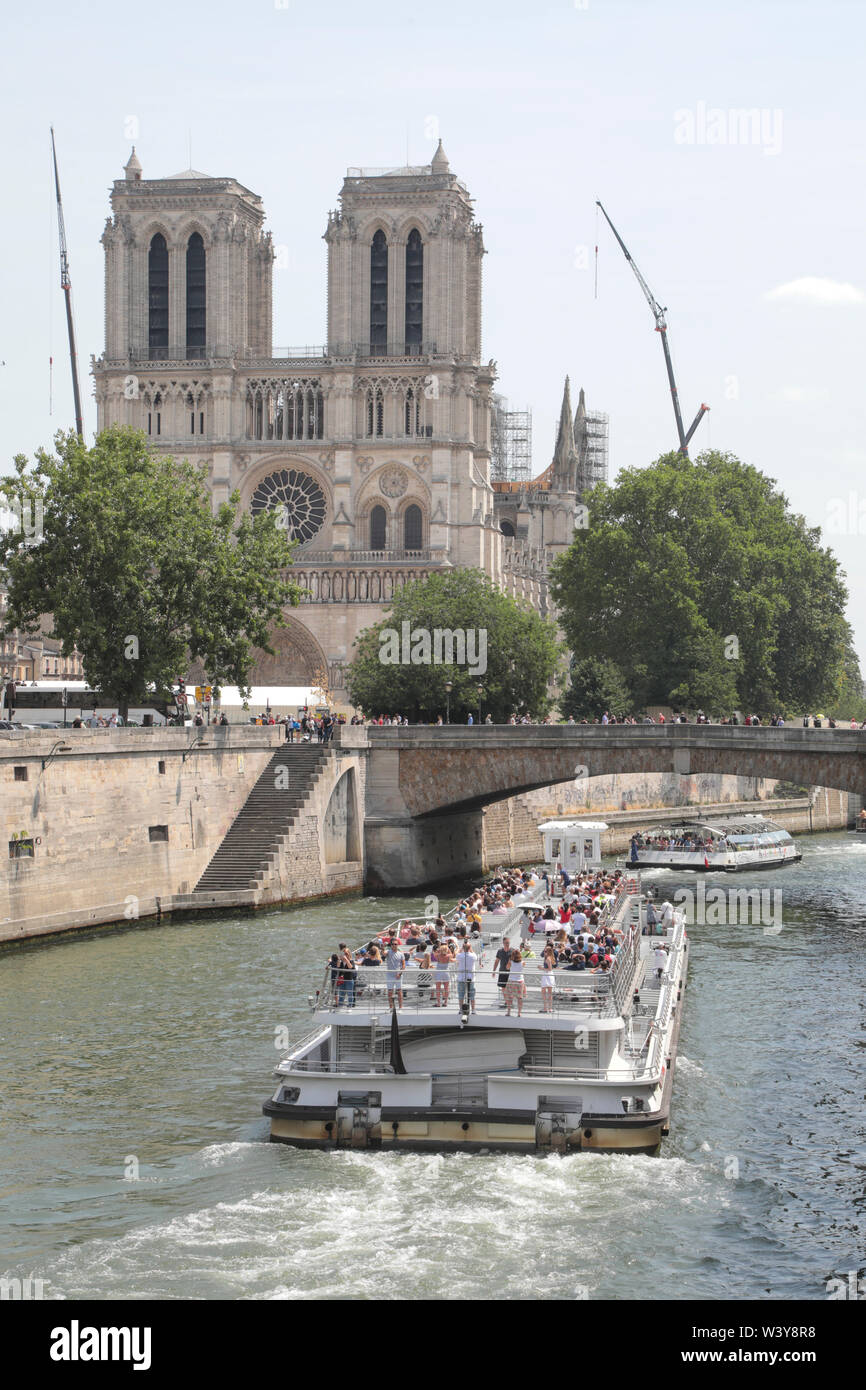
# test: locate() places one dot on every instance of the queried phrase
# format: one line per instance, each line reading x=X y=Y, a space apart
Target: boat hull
x=467 y=1132
x=662 y=861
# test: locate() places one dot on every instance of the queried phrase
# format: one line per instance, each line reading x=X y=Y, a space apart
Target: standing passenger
x=466 y=963
x=395 y=964
x=515 y=989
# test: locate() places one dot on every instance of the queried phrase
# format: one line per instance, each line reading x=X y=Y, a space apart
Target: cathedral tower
x=377 y=444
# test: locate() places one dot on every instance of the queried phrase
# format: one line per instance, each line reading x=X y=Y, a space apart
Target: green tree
x=850 y=702
x=135 y=568
x=697 y=580
x=395 y=670
x=595 y=685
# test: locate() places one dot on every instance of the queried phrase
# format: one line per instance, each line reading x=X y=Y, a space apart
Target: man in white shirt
x=660 y=960
x=466 y=963
x=395 y=964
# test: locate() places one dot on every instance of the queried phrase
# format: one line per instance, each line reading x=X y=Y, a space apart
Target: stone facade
x=119 y=825
x=377 y=446
x=35 y=657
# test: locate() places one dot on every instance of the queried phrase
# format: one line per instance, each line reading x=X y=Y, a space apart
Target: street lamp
x=59 y=747
x=449 y=686
x=480 y=689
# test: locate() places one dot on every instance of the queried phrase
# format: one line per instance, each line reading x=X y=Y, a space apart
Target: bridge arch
x=450 y=771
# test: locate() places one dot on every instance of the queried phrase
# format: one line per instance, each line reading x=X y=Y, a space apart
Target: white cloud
x=802 y=395
x=812 y=289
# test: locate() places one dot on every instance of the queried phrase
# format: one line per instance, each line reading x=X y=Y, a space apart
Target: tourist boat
x=594 y=1072
x=729 y=845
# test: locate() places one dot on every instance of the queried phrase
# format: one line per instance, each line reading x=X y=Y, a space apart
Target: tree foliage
x=705 y=590
x=595 y=686
x=520 y=653
x=135 y=568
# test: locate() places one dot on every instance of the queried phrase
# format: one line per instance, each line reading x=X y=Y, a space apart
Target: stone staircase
x=249 y=848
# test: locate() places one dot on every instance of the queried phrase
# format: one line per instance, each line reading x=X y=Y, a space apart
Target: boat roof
x=737 y=825
x=566 y=825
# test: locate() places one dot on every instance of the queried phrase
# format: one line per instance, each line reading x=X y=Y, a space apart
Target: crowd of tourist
x=607 y=717
x=573 y=936
x=693 y=843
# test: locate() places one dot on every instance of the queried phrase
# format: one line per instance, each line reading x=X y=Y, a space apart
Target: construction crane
x=662 y=328
x=66 y=286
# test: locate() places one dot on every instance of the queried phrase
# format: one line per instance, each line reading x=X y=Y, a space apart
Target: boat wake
x=401 y=1226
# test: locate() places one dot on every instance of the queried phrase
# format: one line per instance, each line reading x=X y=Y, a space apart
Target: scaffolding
x=592 y=452
x=510 y=443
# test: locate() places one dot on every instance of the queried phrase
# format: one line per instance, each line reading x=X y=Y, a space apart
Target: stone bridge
x=426 y=786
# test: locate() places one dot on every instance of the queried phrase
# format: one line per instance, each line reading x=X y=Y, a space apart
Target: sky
x=749 y=228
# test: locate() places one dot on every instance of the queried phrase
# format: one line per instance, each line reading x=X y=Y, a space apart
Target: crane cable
x=596 y=250
x=50 y=286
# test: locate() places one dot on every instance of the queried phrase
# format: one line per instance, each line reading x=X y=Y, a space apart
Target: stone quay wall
x=121 y=820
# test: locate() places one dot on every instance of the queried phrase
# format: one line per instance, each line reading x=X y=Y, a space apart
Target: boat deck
x=592 y=998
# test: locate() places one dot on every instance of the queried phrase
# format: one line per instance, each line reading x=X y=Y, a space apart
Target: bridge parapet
x=612 y=735
x=433 y=770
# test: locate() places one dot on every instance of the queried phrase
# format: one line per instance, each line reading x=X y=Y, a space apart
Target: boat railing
x=639 y=1070
x=353 y=1065
x=375 y=988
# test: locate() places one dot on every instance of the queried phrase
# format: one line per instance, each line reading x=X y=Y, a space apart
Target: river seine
x=134 y=1160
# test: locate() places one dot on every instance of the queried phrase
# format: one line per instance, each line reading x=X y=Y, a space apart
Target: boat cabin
x=572 y=844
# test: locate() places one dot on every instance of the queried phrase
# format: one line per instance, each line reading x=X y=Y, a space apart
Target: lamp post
x=59 y=747
x=449 y=686
x=480 y=689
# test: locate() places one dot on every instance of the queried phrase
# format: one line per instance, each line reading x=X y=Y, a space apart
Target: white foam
x=366 y=1226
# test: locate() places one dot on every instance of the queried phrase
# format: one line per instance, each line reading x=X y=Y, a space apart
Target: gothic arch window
x=414 y=292
x=413 y=411
x=196 y=296
x=379 y=292
x=286 y=409
x=300 y=497
x=507 y=528
x=413 y=528
x=375 y=412
x=154 y=413
x=378 y=526
x=157 y=291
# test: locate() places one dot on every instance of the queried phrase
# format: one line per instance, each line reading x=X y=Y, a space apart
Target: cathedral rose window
x=301 y=496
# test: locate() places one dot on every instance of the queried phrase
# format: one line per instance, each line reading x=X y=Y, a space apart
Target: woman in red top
x=565 y=915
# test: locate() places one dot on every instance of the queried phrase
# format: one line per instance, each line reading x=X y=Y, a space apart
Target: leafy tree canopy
x=696 y=580
x=123 y=549
x=396 y=671
x=595 y=686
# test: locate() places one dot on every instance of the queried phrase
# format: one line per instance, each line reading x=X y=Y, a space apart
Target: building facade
x=377 y=445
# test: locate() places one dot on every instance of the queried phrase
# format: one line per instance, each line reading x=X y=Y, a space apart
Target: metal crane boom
x=66 y=286
x=662 y=328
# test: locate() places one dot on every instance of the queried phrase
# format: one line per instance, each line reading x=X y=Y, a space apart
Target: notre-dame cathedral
x=380 y=445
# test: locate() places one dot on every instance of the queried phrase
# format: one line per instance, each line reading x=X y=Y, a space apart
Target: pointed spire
x=132 y=169
x=580 y=425
x=439 y=163
x=564 y=457
x=580 y=413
